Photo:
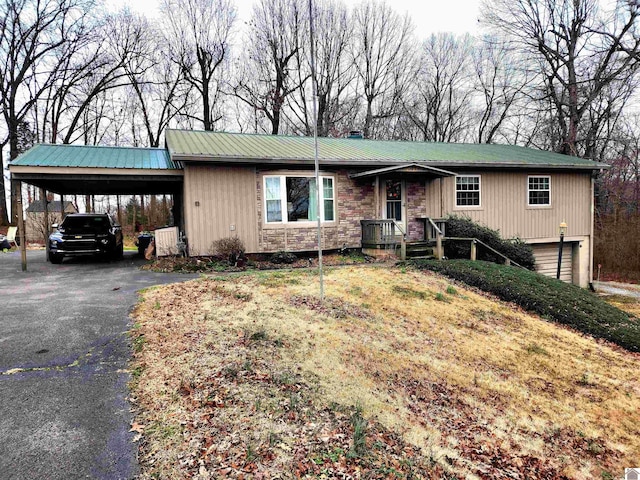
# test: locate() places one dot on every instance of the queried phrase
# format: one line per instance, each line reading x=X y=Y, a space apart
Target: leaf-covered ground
x=397 y=374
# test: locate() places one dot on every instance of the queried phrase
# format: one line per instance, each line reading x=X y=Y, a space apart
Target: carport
x=96 y=170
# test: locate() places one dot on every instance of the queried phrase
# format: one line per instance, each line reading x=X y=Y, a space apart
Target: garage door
x=547 y=260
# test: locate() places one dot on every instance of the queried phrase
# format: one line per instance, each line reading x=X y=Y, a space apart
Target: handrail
x=403 y=241
x=435 y=227
x=397 y=225
x=476 y=240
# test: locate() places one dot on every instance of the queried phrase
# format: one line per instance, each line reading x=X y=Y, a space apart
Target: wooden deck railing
x=388 y=234
x=385 y=233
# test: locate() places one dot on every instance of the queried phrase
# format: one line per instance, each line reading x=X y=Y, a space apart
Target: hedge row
x=550 y=298
x=515 y=249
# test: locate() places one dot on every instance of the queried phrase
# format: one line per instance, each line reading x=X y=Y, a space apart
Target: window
x=468 y=191
x=300 y=196
x=539 y=190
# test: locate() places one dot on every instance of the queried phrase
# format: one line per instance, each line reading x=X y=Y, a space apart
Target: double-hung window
x=294 y=198
x=468 y=191
x=539 y=190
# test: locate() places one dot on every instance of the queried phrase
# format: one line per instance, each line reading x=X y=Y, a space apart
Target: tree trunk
x=61 y=208
x=45 y=208
x=142 y=211
x=366 y=131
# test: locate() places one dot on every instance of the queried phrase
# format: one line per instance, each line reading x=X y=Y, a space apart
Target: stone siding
x=416 y=197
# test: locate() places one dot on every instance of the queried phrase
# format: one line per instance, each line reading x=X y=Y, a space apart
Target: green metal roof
x=50 y=155
x=191 y=145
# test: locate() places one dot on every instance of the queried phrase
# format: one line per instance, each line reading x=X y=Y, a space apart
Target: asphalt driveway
x=64 y=412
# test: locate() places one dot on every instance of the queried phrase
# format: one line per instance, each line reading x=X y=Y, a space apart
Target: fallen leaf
x=136 y=427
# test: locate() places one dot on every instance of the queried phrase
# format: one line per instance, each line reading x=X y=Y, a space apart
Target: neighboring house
x=35 y=224
x=261 y=188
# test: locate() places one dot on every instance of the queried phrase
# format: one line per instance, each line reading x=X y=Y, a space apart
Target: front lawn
x=396 y=374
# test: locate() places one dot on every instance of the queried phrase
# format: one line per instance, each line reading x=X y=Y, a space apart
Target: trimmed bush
x=283 y=257
x=229 y=248
x=550 y=298
x=515 y=249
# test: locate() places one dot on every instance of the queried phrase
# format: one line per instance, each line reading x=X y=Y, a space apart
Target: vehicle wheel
x=118 y=252
x=55 y=258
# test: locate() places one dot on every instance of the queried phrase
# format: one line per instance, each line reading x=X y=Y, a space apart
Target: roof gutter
x=380 y=162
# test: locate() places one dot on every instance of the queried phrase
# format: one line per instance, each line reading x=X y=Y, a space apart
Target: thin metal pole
x=315 y=144
x=560 y=255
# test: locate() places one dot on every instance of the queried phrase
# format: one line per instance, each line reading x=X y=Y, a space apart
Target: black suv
x=85 y=234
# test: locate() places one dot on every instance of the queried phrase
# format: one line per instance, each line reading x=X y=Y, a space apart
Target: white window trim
x=455 y=192
x=283 y=199
x=538 y=205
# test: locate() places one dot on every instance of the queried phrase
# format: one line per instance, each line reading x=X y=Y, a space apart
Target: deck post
x=403 y=249
x=474 y=250
x=439 y=252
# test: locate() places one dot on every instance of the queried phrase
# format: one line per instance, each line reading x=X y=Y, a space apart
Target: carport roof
x=48 y=155
x=91 y=170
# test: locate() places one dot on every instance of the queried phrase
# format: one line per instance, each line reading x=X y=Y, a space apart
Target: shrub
x=283 y=257
x=515 y=249
x=550 y=298
x=231 y=248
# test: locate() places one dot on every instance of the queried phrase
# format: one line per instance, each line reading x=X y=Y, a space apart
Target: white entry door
x=394 y=203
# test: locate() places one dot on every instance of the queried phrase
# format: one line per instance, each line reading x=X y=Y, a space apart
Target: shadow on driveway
x=63 y=357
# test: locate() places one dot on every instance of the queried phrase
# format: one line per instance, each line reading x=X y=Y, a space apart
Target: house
x=35 y=225
x=261 y=188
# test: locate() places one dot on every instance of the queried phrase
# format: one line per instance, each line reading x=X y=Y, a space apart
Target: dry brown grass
x=254 y=377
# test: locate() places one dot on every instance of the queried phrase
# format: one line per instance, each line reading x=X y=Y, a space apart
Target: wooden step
x=418 y=249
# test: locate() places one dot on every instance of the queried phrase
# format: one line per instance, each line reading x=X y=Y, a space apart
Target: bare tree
x=268 y=75
x=441 y=99
x=500 y=84
x=579 y=50
x=121 y=53
x=335 y=73
x=31 y=32
x=199 y=37
x=161 y=93
x=383 y=55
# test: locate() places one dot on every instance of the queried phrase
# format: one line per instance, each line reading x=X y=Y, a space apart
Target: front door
x=394 y=201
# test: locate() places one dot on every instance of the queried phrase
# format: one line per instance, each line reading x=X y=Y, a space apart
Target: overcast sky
x=429 y=16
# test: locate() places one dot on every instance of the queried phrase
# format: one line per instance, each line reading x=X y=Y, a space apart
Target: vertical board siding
x=503 y=199
x=227 y=196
